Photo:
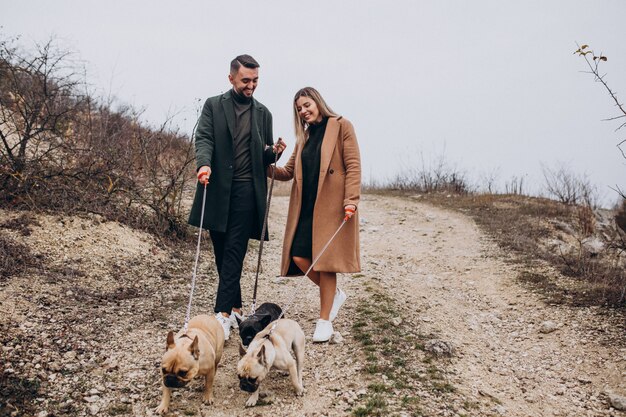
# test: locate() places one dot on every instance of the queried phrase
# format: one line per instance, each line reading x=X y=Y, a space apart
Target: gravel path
x=85 y=336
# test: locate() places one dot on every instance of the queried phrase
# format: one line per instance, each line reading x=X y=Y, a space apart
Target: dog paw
x=251 y=402
x=299 y=391
x=208 y=400
x=161 y=409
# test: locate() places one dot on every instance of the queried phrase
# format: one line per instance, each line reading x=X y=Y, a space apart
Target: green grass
x=395 y=361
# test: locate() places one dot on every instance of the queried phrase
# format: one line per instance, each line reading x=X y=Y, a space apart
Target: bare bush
x=569 y=188
x=433 y=177
x=65 y=150
x=489 y=179
x=594 y=69
x=514 y=186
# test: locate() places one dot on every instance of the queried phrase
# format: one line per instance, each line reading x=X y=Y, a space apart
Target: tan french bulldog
x=272 y=350
x=197 y=352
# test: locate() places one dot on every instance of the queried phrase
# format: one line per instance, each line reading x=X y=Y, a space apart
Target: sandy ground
x=93 y=329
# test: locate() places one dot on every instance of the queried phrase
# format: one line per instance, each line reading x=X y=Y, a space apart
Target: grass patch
x=392 y=360
x=119 y=409
x=378 y=388
x=18 y=394
x=375 y=406
x=443 y=387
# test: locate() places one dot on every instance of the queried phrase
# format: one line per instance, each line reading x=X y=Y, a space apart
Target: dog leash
x=349 y=213
x=195 y=265
x=263 y=230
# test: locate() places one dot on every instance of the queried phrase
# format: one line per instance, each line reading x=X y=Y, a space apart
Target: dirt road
x=93 y=335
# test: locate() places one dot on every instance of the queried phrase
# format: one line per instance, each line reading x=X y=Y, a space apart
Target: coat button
x=332 y=171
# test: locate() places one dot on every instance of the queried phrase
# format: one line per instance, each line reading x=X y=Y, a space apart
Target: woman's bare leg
x=304 y=264
x=328 y=286
x=327 y=281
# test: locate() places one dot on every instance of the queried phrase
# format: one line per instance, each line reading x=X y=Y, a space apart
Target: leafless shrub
x=426 y=178
x=489 y=179
x=63 y=149
x=515 y=186
x=569 y=188
x=586 y=220
x=594 y=69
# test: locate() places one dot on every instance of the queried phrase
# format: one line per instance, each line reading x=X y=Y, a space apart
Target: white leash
x=195 y=265
x=306 y=274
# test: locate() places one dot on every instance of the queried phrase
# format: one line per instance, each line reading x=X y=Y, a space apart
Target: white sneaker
x=323 y=331
x=225 y=322
x=233 y=319
x=340 y=298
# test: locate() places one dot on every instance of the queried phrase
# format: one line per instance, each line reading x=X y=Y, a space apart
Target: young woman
x=326 y=167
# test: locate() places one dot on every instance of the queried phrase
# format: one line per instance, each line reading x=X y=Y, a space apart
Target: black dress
x=302 y=245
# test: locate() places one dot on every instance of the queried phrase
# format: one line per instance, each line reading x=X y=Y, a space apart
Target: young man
x=234 y=146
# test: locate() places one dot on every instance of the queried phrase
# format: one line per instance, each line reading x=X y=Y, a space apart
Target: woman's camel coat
x=339 y=185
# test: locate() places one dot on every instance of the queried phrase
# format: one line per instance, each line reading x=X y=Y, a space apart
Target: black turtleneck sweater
x=241 y=138
x=311 y=159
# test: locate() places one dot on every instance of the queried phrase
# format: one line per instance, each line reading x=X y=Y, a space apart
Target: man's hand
x=203 y=174
x=279 y=146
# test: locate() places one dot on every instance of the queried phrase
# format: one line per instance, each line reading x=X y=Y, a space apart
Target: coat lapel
x=255 y=116
x=328 y=146
x=229 y=112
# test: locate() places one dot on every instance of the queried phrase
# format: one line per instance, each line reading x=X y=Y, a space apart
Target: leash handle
x=195 y=265
x=349 y=213
x=263 y=230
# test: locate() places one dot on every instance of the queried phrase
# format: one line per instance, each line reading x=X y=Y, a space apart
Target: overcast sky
x=492 y=86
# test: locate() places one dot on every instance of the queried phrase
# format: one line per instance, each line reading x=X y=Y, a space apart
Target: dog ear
x=194 y=349
x=265 y=320
x=170 y=341
x=261 y=355
x=242 y=350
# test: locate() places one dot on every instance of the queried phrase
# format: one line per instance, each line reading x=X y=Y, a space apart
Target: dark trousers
x=230 y=247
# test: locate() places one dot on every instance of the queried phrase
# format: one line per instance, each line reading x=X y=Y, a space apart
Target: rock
x=548 y=327
x=69 y=355
x=336 y=339
x=54 y=366
x=94 y=409
x=500 y=410
x=594 y=245
x=439 y=347
x=618 y=402
x=396 y=321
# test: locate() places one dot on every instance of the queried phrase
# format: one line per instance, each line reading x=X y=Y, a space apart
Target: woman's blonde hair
x=300 y=125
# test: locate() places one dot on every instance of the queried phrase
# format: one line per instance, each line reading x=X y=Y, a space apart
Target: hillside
x=437 y=323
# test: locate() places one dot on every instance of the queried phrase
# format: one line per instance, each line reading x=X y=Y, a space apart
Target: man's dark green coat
x=214 y=148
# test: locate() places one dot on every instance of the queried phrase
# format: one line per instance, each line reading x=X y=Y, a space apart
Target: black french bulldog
x=264 y=315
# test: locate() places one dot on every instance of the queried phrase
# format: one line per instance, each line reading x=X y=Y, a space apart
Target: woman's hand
x=279 y=146
x=349 y=211
x=203 y=175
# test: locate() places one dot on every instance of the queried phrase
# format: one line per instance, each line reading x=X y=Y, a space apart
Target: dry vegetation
x=62 y=149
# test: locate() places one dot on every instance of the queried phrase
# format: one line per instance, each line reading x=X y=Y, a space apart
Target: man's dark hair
x=245 y=60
